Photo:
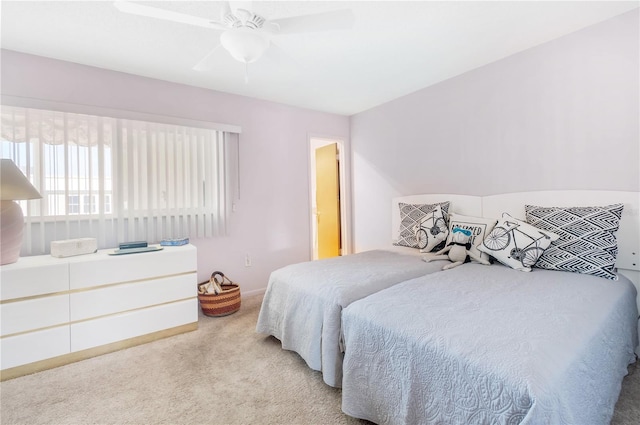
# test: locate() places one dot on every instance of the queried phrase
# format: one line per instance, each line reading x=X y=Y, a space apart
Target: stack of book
x=134 y=247
x=129 y=245
x=174 y=242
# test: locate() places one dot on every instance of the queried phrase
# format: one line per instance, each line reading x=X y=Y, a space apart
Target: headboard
x=493 y=206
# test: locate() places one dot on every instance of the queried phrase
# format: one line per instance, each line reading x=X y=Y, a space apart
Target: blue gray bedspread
x=303 y=303
x=490 y=345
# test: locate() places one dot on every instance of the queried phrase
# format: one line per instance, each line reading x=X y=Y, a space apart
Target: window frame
x=40 y=213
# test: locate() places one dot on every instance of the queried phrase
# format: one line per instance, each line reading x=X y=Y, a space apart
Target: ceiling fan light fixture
x=245 y=45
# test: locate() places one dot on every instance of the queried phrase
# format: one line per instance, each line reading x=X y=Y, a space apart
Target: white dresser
x=55 y=311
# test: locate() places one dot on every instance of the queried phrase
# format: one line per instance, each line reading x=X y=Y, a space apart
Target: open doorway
x=328 y=197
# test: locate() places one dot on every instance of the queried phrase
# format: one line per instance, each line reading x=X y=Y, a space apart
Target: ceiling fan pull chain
x=246 y=73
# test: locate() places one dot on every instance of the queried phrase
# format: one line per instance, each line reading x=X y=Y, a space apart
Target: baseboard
x=254 y=292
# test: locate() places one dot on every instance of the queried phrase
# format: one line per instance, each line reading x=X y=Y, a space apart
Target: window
x=116 y=179
x=74 y=205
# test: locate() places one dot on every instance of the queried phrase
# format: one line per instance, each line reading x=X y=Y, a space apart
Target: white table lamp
x=13 y=186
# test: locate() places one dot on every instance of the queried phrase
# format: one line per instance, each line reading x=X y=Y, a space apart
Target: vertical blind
x=115 y=179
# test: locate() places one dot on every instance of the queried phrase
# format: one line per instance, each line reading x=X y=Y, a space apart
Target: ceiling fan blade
x=167 y=15
x=326 y=21
x=207 y=62
x=225 y=9
x=240 y=4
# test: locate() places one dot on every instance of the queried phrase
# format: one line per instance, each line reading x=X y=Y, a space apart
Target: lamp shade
x=245 y=45
x=13 y=184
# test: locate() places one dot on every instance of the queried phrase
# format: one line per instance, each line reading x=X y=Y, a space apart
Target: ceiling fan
x=245 y=34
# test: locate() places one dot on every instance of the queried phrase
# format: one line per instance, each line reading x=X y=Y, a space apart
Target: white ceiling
x=394 y=48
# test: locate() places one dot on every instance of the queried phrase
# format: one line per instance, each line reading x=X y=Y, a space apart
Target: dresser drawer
x=32 y=276
x=27 y=348
x=103 y=269
x=131 y=296
x=33 y=314
x=109 y=329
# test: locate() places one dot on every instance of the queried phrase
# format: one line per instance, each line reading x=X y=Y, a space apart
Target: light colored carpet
x=223 y=373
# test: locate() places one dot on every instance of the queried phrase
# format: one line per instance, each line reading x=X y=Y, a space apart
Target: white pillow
x=479 y=227
x=433 y=231
x=516 y=244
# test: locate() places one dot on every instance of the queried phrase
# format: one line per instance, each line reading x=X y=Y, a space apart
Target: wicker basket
x=221 y=304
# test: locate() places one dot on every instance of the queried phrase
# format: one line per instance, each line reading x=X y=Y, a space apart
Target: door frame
x=315 y=141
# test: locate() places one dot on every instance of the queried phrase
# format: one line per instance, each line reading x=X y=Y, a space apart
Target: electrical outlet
x=247 y=260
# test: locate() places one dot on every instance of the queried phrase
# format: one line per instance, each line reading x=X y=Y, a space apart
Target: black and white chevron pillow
x=587 y=242
x=411 y=218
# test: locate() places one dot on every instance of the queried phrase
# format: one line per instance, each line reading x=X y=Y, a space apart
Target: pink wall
x=563 y=115
x=272 y=218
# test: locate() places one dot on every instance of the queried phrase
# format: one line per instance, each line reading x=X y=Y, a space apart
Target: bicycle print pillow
x=411 y=215
x=517 y=244
x=587 y=242
x=433 y=231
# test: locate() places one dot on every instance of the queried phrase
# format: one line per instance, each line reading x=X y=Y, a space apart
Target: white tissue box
x=71 y=247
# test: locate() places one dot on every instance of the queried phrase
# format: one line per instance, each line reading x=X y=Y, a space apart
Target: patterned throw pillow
x=587 y=241
x=516 y=244
x=433 y=231
x=411 y=216
x=479 y=227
